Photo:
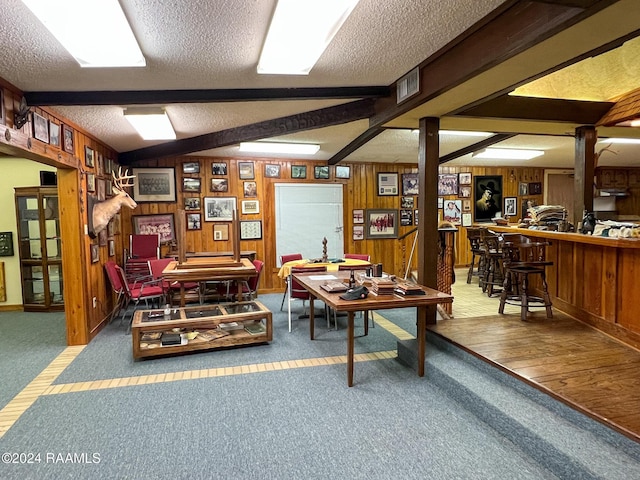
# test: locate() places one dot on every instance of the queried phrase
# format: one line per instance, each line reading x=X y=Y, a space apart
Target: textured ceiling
x=216 y=45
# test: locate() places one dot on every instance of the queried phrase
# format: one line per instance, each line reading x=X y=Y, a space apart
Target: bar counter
x=594 y=279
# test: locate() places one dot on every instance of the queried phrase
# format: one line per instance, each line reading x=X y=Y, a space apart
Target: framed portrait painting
x=381 y=224
x=155 y=184
x=488 y=197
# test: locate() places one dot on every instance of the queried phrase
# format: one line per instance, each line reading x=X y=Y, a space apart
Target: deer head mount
x=104 y=211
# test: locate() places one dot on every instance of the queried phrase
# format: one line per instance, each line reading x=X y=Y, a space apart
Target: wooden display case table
x=217 y=325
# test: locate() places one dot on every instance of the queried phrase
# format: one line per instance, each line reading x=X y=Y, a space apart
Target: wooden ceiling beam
x=324 y=117
x=487 y=142
x=149 y=97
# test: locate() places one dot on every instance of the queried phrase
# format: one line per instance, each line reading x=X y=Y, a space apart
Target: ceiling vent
x=408 y=85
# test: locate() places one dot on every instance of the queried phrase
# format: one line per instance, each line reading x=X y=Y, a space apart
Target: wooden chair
x=474 y=235
x=298 y=292
x=285 y=259
x=522 y=260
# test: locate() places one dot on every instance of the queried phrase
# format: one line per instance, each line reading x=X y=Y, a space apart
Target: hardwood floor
x=571 y=361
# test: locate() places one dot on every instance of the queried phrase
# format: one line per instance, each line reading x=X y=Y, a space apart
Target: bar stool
x=520 y=261
x=474 y=235
x=493 y=276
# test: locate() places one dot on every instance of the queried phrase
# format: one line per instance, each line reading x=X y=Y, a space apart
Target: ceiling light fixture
x=97 y=34
x=507 y=153
x=152 y=123
x=299 y=33
x=620 y=140
x=458 y=133
x=273 y=147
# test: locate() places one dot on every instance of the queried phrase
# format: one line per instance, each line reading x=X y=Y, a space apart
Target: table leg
x=350 y=336
x=311 y=317
x=182 y=301
x=422 y=334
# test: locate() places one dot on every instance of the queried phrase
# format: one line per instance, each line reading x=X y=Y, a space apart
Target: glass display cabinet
x=40 y=248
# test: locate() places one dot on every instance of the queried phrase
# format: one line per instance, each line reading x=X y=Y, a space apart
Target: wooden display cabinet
x=40 y=248
x=203 y=322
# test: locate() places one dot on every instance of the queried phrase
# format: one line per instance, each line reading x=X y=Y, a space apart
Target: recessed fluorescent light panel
x=299 y=32
x=462 y=133
x=620 y=140
x=508 y=153
x=151 y=123
x=96 y=33
x=273 y=147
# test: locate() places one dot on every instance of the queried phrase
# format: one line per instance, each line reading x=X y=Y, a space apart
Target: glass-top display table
x=203 y=327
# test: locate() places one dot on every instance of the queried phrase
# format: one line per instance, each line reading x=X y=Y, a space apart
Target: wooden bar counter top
x=594 y=279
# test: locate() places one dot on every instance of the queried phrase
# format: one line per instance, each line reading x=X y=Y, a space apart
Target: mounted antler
x=103 y=212
x=601 y=151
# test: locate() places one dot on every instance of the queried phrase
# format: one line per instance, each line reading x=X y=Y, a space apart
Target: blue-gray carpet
x=462 y=420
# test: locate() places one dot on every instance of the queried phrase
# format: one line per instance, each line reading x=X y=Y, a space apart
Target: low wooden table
x=199 y=269
x=149 y=325
x=372 y=302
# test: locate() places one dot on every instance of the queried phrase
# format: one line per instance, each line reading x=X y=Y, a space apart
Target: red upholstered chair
x=249 y=287
x=297 y=291
x=137 y=292
x=142 y=248
x=116 y=287
x=284 y=259
x=358 y=256
x=156 y=267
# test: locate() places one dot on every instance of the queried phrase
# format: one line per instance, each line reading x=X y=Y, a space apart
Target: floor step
x=566 y=442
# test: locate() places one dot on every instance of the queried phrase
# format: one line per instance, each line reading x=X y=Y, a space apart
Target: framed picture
x=358 y=232
x=6 y=244
x=54 y=134
x=191 y=167
x=40 y=128
x=466 y=205
x=410 y=184
x=464 y=191
x=161 y=224
x=67 y=138
x=154 y=184
x=219 y=185
x=95 y=253
x=406 y=202
x=452 y=211
x=448 y=184
x=535 y=188
x=112 y=248
x=527 y=203
x=321 y=172
x=245 y=170
x=250 y=189
x=387 y=184
x=251 y=230
x=88 y=156
x=381 y=223
x=221 y=231
x=466 y=219
x=194 y=221
x=440 y=202
x=510 y=206
x=358 y=216
x=111 y=227
x=406 y=217
x=91 y=182
x=102 y=187
x=100 y=163
x=191 y=185
x=219 y=168
x=342 y=171
x=464 y=178
x=192 y=203
x=102 y=238
x=250 y=207
x=488 y=197
x=298 y=171
x=272 y=171
x=523 y=188
x=219 y=209
x=415 y=217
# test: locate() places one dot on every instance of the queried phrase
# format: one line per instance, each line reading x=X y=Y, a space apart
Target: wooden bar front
x=593 y=279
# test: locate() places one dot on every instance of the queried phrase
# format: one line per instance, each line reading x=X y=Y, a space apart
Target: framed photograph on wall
x=54 y=134
x=452 y=211
x=219 y=209
x=358 y=232
x=535 y=188
x=387 y=184
x=251 y=230
x=95 y=253
x=191 y=167
x=410 y=184
x=464 y=178
x=161 y=224
x=448 y=184
x=343 y=171
x=112 y=248
x=154 y=184
x=250 y=189
x=40 y=128
x=298 y=171
x=358 y=216
x=88 y=157
x=510 y=206
x=406 y=202
x=466 y=219
x=219 y=185
x=321 y=172
x=67 y=138
x=191 y=185
x=272 y=171
x=381 y=223
x=523 y=188
x=219 y=168
x=194 y=221
x=91 y=182
x=245 y=170
x=464 y=191
x=221 y=231
x=488 y=197
x=192 y=203
x=406 y=217
x=250 y=207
